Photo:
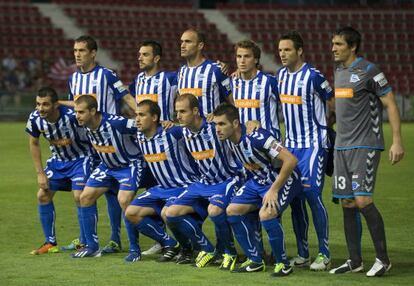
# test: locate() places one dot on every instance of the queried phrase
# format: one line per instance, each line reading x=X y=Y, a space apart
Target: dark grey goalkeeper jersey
x=358 y=89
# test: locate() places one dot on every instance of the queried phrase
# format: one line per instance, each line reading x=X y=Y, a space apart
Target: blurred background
x=37 y=38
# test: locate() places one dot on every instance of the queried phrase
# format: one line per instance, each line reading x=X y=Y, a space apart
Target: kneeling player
x=272 y=186
x=213 y=191
x=172 y=165
x=69 y=166
x=121 y=165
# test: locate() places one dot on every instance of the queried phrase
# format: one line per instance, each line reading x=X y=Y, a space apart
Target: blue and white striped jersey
x=214 y=158
x=169 y=160
x=68 y=140
x=205 y=81
x=303 y=95
x=256 y=151
x=101 y=83
x=160 y=88
x=258 y=99
x=115 y=141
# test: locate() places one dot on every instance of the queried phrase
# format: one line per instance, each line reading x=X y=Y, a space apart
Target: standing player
x=219 y=179
x=255 y=93
x=69 y=166
x=107 y=88
x=361 y=91
x=152 y=83
x=269 y=188
x=121 y=167
x=303 y=93
x=201 y=77
x=166 y=154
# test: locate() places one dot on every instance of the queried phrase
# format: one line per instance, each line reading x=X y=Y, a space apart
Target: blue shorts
x=68 y=176
x=157 y=197
x=312 y=165
x=123 y=179
x=252 y=193
x=199 y=196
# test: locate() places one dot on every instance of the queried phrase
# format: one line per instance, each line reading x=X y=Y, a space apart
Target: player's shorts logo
x=355 y=185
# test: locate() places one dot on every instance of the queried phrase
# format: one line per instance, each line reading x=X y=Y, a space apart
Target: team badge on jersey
x=300 y=84
x=106 y=135
x=354 y=78
x=206 y=137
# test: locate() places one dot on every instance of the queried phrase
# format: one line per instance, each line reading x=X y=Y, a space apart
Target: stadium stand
x=388 y=33
x=25 y=34
x=122 y=27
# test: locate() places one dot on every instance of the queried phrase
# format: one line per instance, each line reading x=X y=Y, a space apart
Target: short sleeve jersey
x=207 y=82
x=167 y=156
x=68 y=140
x=160 y=88
x=358 y=89
x=257 y=152
x=101 y=83
x=258 y=99
x=115 y=141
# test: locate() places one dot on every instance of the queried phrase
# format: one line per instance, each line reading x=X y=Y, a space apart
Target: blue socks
x=320 y=220
x=245 y=235
x=133 y=235
x=47 y=219
x=188 y=227
x=152 y=228
x=115 y=214
x=276 y=239
x=224 y=234
x=300 y=221
x=82 y=238
x=90 y=223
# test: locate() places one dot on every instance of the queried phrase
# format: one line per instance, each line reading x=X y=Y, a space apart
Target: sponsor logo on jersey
x=290 y=99
x=344 y=92
x=79 y=95
x=247 y=103
x=104 y=149
x=151 y=96
x=203 y=155
x=193 y=91
x=61 y=142
x=153 y=158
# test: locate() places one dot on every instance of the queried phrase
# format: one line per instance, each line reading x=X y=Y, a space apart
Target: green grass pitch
x=20 y=232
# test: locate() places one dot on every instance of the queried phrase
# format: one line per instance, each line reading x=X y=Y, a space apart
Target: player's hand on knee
x=270 y=203
x=396 y=153
x=42 y=181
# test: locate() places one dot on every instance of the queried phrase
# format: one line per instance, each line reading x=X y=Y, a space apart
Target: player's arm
x=132 y=106
x=36 y=154
x=396 y=152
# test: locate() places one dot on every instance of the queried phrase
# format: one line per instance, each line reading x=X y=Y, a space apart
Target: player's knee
x=76 y=197
x=164 y=214
x=233 y=210
x=214 y=210
x=347 y=203
x=131 y=213
x=87 y=199
x=124 y=202
x=362 y=202
x=173 y=211
x=44 y=196
x=266 y=215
